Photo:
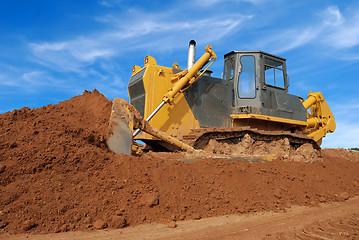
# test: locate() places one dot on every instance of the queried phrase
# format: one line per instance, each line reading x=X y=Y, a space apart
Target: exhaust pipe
x=191 y=54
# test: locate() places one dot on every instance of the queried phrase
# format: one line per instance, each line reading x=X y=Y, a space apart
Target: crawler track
x=199 y=138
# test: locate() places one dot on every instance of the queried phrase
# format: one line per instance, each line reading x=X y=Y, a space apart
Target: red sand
x=56 y=174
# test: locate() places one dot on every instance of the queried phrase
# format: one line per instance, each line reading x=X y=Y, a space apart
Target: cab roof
x=251 y=52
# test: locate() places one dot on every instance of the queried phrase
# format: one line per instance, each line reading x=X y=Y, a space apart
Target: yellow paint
x=175 y=119
x=163 y=84
x=268 y=118
x=321 y=119
x=135 y=69
x=192 y=75
x=267 y=158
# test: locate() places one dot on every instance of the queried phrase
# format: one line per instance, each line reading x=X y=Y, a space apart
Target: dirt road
x=328 y=221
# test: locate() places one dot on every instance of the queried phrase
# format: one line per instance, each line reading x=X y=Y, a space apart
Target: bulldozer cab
x=252 y=72
x=259 y=84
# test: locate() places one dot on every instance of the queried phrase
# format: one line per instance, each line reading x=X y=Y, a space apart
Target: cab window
x=274 y=74
x=228 y=69
x=247 y=80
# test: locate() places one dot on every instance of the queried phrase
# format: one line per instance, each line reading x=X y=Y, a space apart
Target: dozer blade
x=120 y=128
x=123 y=120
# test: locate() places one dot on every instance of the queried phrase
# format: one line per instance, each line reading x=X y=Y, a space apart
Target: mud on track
x=57 y=175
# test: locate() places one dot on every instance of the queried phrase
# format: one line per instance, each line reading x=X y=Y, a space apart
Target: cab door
x=245 y=81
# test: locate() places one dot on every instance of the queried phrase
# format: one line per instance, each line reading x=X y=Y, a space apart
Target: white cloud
x=332 y=16
x=208 y=3
x=140 y=31
x=345 y=37
x=110 y=3
x=335 y=32
x=84 y=50
x=289 y=39
x=341 y=33
x=7 y=81
x=71 y=55
x=30 y=81
x=32 y=77
x=150 y=24
x=58 y=46
x=350 y=57
x=38 y=78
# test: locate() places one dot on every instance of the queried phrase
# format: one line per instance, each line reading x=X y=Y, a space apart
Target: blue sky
x=53 y=50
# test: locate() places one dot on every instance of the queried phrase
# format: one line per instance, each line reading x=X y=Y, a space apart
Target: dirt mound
x=56 y=174
x=341 y=154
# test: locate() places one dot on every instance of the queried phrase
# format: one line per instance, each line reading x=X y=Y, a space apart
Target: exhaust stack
x=191 y=54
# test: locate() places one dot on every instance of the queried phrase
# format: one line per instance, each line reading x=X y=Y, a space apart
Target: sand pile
x=56 y=174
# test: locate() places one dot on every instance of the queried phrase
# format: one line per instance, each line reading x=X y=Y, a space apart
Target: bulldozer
x=172 y=109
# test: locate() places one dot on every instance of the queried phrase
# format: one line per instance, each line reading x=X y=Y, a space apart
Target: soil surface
x=327 y=221
x=57 y=175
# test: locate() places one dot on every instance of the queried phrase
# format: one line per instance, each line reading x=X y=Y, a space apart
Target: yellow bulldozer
x=172 y=109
